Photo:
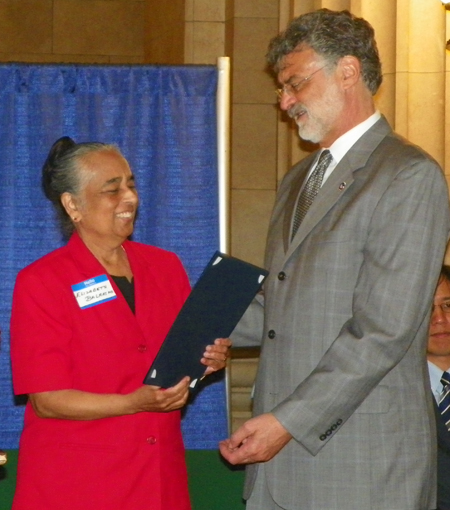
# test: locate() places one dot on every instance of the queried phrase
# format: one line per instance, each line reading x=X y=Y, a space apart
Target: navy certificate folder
x=213 y=308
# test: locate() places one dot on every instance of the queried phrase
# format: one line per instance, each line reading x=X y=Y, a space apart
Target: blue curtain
x=163 y=118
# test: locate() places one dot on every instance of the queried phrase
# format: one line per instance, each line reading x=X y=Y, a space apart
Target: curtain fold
x=163 y=119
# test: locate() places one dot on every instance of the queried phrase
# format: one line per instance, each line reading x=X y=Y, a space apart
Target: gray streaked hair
x=332 y=35
x=61 y=173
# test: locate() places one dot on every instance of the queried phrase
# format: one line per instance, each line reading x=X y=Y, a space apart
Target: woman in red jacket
x=95 y=437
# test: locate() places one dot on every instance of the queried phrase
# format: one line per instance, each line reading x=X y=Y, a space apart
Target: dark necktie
x=310 y=190
x=444 y=399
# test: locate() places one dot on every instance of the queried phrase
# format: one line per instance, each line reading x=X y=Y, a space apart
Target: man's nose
x=286 y=101
x=438 y=315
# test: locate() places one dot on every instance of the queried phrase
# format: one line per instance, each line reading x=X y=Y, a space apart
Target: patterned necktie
x=310 y=190
x=444 y=400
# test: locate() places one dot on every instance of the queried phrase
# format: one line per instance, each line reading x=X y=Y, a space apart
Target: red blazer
x=128 y=462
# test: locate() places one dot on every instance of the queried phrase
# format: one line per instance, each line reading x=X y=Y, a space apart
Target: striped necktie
x=310 y=190
x=444 y=400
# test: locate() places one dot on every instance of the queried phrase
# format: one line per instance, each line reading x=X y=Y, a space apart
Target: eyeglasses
x=294 y=88
x=445 y=307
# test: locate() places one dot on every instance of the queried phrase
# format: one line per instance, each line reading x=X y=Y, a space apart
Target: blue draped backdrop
x=163 y=118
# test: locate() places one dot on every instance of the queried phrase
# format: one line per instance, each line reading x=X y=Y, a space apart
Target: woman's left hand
x=215 y=356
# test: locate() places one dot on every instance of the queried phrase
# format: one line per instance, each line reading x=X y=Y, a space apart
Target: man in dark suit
x=343 y=413
x=438 y=354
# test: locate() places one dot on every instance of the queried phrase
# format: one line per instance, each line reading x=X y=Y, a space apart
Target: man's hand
x=258 y=440
x=215 y=356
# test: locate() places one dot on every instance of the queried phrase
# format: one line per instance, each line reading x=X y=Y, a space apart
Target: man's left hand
x=257 y=440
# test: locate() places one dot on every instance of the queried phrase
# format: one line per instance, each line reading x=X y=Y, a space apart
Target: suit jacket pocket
x=378 y=401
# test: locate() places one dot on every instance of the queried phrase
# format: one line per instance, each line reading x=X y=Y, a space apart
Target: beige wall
x=241 y=29
x=164 y=32
x=79 y=31
x=264 y=144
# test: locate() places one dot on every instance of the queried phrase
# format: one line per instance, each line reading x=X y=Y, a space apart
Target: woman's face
x=108 y=201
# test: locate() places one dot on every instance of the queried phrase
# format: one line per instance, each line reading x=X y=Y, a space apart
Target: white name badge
x=93 y=291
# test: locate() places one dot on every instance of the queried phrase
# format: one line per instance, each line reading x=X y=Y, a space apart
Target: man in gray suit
x=343 y=414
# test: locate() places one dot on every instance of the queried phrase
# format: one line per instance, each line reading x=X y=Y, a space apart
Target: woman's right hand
x=81 y=405
x=158 y=400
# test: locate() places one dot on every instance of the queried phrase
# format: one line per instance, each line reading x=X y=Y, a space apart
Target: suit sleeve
x=249 y=330
x=402 y=257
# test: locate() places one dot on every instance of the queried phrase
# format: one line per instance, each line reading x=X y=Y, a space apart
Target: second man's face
x=438 y=350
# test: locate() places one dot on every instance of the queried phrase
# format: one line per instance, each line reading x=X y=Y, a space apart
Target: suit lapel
x=294 y=191
x=89 y=267
x=338 y=183
x=141 y=272
x=85 y=262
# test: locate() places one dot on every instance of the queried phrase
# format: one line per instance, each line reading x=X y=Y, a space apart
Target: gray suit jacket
x=344 y=326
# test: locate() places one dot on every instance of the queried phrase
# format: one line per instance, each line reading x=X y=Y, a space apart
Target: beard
x=319 y=118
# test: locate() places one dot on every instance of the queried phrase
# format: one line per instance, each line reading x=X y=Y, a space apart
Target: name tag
x=94 y=291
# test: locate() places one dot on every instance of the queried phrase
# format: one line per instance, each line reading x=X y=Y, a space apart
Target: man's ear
x=70 y=205
x=350 y=68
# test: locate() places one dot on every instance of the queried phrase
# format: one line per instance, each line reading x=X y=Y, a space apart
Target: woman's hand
x=215 y=356
x=158 y=400
x=83 y=405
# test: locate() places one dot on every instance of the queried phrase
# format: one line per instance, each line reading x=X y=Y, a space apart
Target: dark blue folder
x=213 y=308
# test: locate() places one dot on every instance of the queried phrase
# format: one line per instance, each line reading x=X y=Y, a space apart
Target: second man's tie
x=444 y=400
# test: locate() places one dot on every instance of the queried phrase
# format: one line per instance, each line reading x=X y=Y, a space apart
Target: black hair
x=445 y=273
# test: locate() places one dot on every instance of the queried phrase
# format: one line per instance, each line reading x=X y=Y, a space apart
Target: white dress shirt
x=345 y=142
x=339 y=149
x=435 y=379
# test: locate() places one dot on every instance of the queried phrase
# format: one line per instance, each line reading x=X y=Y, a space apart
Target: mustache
x=296 y=109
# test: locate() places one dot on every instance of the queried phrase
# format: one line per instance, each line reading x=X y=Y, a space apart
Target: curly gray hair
x=333 y=35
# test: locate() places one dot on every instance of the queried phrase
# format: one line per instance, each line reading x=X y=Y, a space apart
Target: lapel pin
x=342 y=185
